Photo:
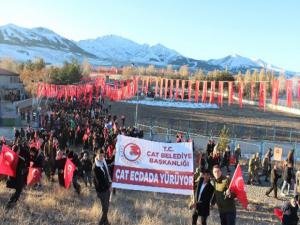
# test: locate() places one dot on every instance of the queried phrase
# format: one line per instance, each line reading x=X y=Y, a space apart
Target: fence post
x=291 y=135
x=167 y=138
x=261 y=148
x=274 y=133
x=151 y=130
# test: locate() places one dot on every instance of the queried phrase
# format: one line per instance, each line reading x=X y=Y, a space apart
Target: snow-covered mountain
x=23 y=44
x=123 y=51
x=237 y=63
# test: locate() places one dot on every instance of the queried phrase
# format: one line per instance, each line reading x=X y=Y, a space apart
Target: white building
x=11 y=88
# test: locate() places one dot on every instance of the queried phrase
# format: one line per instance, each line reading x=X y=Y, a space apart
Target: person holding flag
x=289 y=212
x=18 y=181
x=224 y=197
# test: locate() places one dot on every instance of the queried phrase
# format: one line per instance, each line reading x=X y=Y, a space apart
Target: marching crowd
x=86 y=135
x=209 y=176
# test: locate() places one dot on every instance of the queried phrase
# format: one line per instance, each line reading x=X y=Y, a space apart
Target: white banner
x=153 y=166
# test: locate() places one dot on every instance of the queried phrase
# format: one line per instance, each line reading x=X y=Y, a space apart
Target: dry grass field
x=56 y=206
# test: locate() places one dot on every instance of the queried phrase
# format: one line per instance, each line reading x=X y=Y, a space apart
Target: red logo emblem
x=132 y=152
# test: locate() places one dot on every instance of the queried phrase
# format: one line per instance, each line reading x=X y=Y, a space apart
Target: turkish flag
x=278 y=213
x=237 y=186
x=147 y=85
x=197 y=91
x=212 y=92
x=204 y=91
x=220 y=93
x=171 y=89
x=156 y=87
x=275 y=91
x=230 y=92
x=161 y=87
x=189 y=90
x=68 y=172
x=176 y=90
x=182 y=89
x=262 y=95
x=166 y=88
x=34 y=176
x=8 y=161
x=241 y=93
x=289 y=93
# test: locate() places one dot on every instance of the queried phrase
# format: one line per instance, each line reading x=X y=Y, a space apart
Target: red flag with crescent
x=68 y=173
x=8 y=161
x=237 y=186
x=34 y=176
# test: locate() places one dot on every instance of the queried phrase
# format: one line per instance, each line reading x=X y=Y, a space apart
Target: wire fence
x=248 y=146
x=241 y=131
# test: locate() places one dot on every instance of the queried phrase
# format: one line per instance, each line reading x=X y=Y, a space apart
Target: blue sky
x=201 y=29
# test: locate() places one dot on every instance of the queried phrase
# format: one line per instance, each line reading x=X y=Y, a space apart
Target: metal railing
x=248 y=146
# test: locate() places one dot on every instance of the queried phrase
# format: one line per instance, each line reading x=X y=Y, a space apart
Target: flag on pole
x=197 y=91
x=176 y=90
x=212 y=92
x=237 y=186
x=182 y=89
x=204 y=91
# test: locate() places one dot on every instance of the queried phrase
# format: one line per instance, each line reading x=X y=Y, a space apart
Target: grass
x=57 y=206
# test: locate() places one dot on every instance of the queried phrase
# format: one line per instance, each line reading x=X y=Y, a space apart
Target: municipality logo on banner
x=153 y=166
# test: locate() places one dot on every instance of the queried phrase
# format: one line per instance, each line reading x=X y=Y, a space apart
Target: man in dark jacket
x=289 y=210
x=86 y=165
x=274 y=179
x=102 y=182
x=19 y=181
x=202 y=197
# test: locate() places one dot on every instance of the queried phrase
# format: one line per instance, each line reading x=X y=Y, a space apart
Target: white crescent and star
x=9 y=157
x=238 y=183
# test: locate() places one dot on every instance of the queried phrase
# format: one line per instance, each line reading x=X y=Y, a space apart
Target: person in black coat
x=274 y=179
x=102 y=183
x=86 y=165
x=203 y=195
x=19 y=181
x=60 y=162
x=289 y=210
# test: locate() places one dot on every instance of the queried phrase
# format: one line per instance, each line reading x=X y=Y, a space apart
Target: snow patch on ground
x=169 y=104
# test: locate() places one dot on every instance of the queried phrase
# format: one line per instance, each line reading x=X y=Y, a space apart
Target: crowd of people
x=86 y=135
x=209 y=175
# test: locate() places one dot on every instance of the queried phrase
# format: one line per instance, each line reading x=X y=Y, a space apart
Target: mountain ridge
x=23 y=44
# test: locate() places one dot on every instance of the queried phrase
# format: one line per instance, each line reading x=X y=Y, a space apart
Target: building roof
x=4 y=72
